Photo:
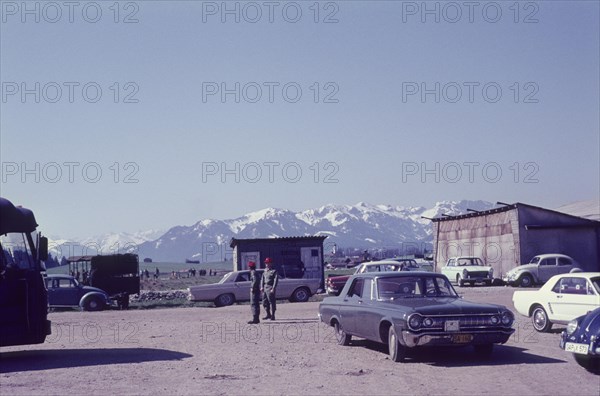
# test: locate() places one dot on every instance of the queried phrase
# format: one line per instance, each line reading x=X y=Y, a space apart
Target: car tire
x=340 y=335
x=591 y=364
x=301 y=294
x=525 y=280
x=484 y=350
x=396 y=350
x=93 y=303
x=460 y=281
x=540 y=320
x=224 y=300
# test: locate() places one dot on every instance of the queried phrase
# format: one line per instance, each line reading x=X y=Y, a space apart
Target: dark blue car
x=582 y=337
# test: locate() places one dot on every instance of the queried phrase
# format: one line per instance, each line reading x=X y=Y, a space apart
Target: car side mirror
x=43 y=249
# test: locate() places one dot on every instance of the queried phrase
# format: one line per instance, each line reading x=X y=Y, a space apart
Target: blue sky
x=510 y=113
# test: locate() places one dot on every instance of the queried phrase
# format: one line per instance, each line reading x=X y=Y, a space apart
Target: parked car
x=582 y=337
x=540 y=269
x=413 y=309
x=66 y=291
x=335 y=284
x=235 y=286
x=414 y=265
x=465 y=269
x=561 y=299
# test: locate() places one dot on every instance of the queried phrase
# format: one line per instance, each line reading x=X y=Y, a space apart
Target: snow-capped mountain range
x=361 y=226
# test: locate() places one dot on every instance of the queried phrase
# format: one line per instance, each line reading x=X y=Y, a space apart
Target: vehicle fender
x=92 y=294
x=575 y=269
x=533 y=276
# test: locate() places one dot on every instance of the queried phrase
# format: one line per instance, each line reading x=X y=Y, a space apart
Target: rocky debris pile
x=160 y=295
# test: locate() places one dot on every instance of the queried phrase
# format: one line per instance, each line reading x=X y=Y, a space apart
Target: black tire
x=525 y=280
x=540 y=320
x=301 y=294
x=93 y=303
x=340 y=335
x=460 y=281
x=591 y=364
x=224 y=300
x=396 y=350
x=484 y=350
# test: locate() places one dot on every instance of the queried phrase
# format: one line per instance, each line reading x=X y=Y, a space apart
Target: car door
x=352 y=301
x=547 y=269
x=66 y=292
x=367 y=318
x=241 y=288
x=565 y=265
x=573 y=297
x=450 y=270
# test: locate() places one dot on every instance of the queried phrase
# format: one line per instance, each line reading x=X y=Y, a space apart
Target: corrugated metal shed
x=511 y=235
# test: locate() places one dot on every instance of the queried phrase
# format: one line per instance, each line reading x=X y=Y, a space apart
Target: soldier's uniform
x=254 y=294
x=268 y=285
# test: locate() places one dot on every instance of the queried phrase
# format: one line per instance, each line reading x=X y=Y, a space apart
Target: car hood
x=591 y=322
x=446 y=306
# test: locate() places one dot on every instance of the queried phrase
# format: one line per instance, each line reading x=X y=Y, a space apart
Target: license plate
x=577 y=348
x=462 y=338
x=451 y=325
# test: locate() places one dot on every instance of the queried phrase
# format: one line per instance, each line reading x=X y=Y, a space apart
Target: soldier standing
x=268 y=286
x=254 y=293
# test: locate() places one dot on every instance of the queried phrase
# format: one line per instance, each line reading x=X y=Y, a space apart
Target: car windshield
x=596 y=282
x=414 y=287
x=535 y=260
x=463 y=261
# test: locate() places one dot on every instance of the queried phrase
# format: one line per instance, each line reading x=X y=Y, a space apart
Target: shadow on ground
x=37 y=360
x=463 y=356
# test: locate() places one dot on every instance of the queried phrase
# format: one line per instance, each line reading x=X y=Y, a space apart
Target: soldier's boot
x=268 y=315
x=272 y=316
x=255 y=320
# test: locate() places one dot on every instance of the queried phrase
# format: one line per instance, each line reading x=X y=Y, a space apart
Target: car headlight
x=414 y=321
x=494 y=320
x=507 y=318
x=572 y=326
x=465 y=273
x=427 y=322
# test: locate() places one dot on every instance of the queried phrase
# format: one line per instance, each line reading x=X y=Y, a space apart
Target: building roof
x=235 y=241
x=505 y=208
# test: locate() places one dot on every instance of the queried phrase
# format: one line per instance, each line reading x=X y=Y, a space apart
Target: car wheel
x=540 y=320
x=591 y=364
x=224 y=300
x=93 y=304
x=459 y=281
x=396 y=350
x=340 y=335
x=301 y=294
x=525 y=280
x=484 y=350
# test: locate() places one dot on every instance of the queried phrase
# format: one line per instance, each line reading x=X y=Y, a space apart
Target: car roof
x=59 y=276
x=380 y=262
x=397 y=274
x=545 y=255
x=467 y=257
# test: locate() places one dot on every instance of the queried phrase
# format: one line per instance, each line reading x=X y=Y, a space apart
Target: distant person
x=156 y=273
x=268 y=286
x=254 y=293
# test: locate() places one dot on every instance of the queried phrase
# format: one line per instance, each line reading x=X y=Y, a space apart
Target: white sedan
x=561 y=299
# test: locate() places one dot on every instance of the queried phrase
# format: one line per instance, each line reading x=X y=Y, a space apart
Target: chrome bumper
x=411 y=340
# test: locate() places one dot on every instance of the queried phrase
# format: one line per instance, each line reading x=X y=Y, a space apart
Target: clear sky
x=127 y=116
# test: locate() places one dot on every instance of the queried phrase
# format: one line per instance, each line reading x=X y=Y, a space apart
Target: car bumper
x=593 y=344
x=411 y=340
x=333 y=291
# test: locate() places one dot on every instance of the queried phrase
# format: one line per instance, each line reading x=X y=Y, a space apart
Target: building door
x=311 y=258
x=250 y=256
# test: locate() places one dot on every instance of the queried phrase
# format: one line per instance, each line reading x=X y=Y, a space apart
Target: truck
x=23 y=294
x=116 y=274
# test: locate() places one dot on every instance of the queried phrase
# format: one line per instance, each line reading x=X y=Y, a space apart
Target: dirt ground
x=213 y=351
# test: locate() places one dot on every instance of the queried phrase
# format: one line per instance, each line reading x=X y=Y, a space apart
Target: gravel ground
x=214 y=351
